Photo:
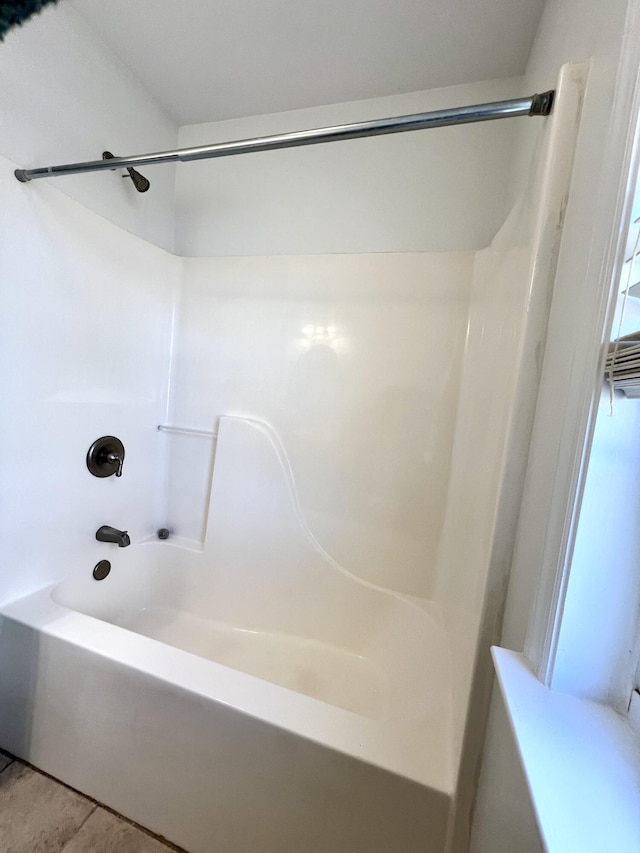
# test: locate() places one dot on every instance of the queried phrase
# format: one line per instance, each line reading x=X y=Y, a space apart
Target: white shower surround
x=354 y=360
x=262 y=622
x=253 y=764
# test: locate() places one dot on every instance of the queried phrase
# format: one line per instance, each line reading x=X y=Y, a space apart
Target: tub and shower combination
x=267 y=698
x=248 y=687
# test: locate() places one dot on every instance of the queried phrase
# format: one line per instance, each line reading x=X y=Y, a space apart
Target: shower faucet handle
x=106 y=457
x=118 y=460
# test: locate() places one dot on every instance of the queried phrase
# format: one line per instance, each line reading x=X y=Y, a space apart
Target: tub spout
x=110 y=534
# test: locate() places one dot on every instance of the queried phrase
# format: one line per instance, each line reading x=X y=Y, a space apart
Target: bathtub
x=251 y=695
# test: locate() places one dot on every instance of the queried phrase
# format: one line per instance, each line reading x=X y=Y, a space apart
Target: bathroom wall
x=85 y=334
x=354 y=360
x=597 y=34
x=569 y=30
x=443 y=190
x=505 y=823
x=332 y=349
x=87 y=307
x=382 y=389
x=343 y=320
x=511 y=295
x=65 y=98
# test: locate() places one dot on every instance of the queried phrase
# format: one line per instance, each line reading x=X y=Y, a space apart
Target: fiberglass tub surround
x=254 y=644
x=301 y=646
x=261 y=623
x=354 y=361
x=265 y=599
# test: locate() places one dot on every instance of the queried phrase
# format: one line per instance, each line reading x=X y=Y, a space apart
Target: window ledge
x=581 y=761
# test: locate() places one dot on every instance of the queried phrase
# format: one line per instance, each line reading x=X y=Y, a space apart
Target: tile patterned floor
x=40 y=815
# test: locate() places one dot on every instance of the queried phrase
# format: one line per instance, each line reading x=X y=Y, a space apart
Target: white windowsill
x=581 y=762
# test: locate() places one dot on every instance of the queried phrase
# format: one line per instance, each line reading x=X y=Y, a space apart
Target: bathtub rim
x=370 y=741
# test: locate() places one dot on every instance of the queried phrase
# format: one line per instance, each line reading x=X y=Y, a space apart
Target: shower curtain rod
x=535 y=105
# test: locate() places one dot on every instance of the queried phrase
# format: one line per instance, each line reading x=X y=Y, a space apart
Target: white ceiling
x=207 y=60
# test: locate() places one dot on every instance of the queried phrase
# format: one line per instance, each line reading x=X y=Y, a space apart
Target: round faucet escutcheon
x=106 y=457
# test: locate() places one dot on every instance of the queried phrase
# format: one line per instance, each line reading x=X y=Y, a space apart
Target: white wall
x=596 y=33
x=505 y=822
x=436 y=190
x=354 y=360
x=569 y=30
x=367 y=418
x=87 y=307
x=84 y=339
x=64 y=98
x=510 y=297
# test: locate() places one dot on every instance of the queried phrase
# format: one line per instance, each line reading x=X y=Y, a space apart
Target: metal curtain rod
x=535 y=105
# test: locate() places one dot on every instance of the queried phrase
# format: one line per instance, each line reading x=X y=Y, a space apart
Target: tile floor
x=40 y=815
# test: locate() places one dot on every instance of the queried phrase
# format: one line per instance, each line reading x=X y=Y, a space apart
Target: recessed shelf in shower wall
x=191 y=456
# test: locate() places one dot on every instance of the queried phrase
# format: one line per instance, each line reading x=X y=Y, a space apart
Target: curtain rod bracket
x=541 y=104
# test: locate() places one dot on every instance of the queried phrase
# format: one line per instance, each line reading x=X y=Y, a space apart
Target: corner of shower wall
x=88 y=283
x=512 y=287
x=102 y=105
x=85 y=327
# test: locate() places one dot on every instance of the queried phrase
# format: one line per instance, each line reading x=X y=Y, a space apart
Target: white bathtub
x=254 y=696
